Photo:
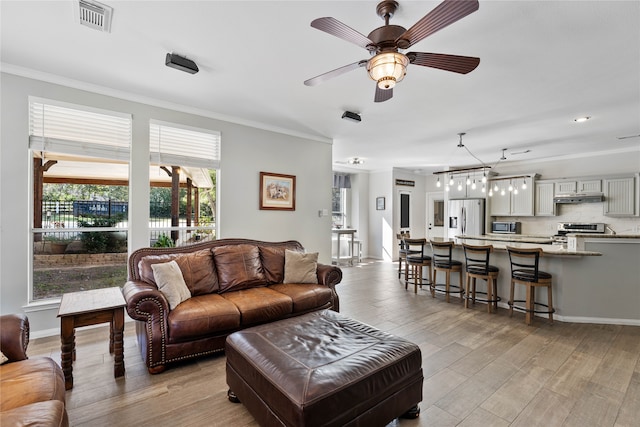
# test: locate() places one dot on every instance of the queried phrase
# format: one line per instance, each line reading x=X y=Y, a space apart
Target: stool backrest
x=524 y=262
x=477 y=257
x=401 y=237
x=415 y=245
x=441 y=252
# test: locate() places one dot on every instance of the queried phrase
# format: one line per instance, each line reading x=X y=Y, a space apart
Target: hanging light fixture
x=388 y=68
x=510 y=187
x=438 y=183
x=451 y=181
x=468 y=180
x=524 y=184
x=473 y=185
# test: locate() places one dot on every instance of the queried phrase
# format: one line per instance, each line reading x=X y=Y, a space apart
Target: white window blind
x=177 y=145
x=74 y=129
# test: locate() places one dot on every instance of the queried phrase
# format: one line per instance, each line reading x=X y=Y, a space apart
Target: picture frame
x=379 y=203
x=277 y=191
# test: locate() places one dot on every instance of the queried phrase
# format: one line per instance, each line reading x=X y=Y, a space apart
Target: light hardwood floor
x=479 y=369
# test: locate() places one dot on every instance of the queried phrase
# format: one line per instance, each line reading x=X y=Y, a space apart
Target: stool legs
x=530 y=302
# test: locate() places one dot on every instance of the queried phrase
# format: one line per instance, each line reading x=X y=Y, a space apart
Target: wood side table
x=87 y=308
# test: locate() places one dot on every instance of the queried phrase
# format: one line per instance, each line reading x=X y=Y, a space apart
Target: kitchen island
x=598 y=281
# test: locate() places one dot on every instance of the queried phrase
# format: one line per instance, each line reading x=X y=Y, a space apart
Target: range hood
x=578 y=198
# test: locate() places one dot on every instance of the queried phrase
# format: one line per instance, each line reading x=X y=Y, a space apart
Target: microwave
x=505 y=227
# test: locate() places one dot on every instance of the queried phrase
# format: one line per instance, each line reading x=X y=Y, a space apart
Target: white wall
x=245 y=152
x=382 y=238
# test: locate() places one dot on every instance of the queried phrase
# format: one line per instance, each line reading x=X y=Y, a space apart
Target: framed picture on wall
x=379 y=203
x=277 y=191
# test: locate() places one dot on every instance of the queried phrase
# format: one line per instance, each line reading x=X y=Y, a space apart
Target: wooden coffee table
x=87 y=308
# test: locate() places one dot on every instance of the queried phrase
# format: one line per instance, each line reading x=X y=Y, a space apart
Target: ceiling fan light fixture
x=387 y=68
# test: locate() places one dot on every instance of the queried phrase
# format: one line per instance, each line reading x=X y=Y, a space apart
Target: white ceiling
x=543 y=63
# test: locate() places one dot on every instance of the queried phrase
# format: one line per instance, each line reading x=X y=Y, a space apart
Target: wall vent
x=94 y=15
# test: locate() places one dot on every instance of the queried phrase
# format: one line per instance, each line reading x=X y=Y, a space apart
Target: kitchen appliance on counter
x=466 y=217
x=506 y=227
x=565 y=228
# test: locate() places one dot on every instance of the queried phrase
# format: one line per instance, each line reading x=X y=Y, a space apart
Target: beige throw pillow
x=168 y=277
x=300 y=267
x=3 y=358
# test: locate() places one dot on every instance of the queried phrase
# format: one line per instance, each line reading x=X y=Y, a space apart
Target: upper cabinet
x=620 y=196
x=544 y=205
x=578 y=186
x=517 y=202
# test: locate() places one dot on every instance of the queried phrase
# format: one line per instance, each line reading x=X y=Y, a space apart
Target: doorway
x=435 y=215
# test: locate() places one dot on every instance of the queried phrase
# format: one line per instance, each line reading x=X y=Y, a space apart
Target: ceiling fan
x=388 y=65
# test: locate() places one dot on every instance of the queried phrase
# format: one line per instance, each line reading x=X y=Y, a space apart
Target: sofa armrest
x=329 y=275
x=14 y=336
x=144 y=300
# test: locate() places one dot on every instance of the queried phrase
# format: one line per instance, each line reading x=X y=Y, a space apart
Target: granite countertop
x=604 y=236
x=522 y=238
x=501 y=245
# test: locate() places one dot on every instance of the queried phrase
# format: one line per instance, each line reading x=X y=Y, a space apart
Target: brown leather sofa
x=31 y=390
x=234 y=284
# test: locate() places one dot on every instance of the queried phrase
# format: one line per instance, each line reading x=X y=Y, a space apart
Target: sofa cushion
x=305 y=297
x=47 y=413
x=197 y=268
x=300 y=267
x=273 y=261
x=170 y=282
x=238 y=266
x=29 y=381
x=259 y=305
x=3 y=358
x=202 y=316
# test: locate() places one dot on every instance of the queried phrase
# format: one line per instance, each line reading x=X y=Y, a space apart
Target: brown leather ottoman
x=323 y=369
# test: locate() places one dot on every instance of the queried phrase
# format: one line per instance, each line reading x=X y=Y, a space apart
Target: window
x=341 y=189
x=338 y=208
x=80 y=173
x=183 y=190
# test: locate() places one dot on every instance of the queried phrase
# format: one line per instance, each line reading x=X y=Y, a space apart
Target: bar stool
x=402 y=253
x=416 y=260
x=442 y=261
x=477 y=267
x=525 y=271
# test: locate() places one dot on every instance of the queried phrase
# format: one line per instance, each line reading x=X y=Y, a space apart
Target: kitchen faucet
x=610 y=230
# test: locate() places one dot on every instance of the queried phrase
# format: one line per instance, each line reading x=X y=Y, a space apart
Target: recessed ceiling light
x=581 y=119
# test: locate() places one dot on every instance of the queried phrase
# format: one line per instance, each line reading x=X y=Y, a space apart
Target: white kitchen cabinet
x=620 y=196
x=578 y=186
x=544 y=205
x=564 y=187
x=512 y=203
x=590 y=186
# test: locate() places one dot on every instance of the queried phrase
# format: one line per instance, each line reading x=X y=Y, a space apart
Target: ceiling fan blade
x=382 y=94
x=334 y=73
x=455 y=63
x=336 y=28
x=447 y=12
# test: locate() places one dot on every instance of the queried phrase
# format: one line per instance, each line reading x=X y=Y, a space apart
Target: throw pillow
x=300 y=267
x=238 y=266
x=3 y=358
x=170 y=282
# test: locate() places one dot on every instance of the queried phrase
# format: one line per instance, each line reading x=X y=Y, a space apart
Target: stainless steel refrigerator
x=466 y=217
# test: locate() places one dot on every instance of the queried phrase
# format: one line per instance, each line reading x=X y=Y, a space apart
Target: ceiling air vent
x=94 y=15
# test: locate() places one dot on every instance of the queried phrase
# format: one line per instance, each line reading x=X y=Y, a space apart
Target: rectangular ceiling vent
x=94 y=15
